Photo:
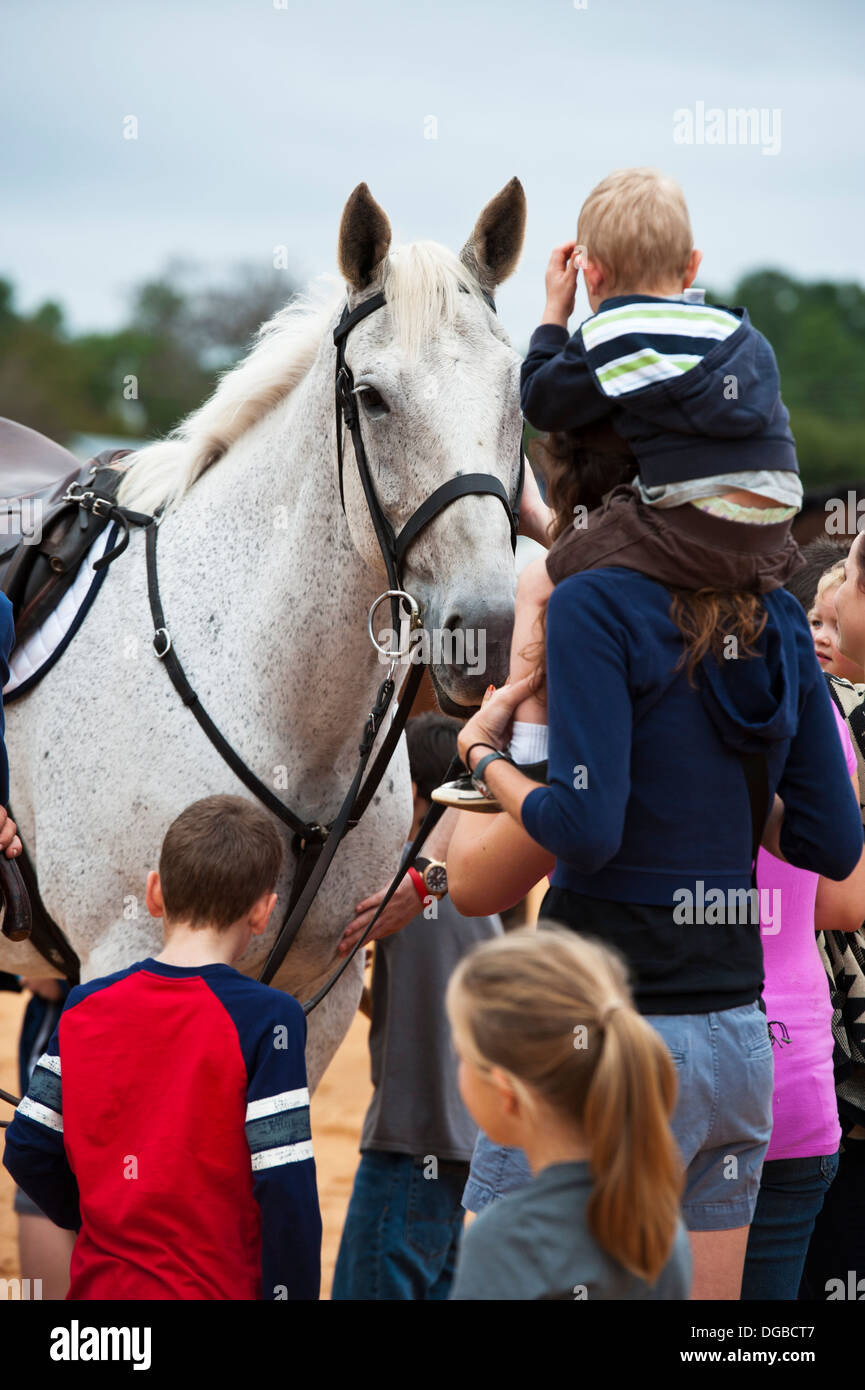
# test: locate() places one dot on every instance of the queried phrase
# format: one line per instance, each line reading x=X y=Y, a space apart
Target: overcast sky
x=256 y=121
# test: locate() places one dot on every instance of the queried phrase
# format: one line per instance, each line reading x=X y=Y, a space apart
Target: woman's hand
x=493 y=720
x=561 y=285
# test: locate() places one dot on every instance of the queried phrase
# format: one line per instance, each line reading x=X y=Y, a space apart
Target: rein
x=316 y=844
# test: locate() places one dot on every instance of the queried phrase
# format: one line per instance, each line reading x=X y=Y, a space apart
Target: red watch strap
x=419 y=884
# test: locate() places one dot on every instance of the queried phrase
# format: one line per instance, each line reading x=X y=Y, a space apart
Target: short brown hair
x=218 y=857
x=635 y=224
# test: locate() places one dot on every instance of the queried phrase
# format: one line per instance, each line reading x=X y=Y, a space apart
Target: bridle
x=315 y=844
x=394 y=546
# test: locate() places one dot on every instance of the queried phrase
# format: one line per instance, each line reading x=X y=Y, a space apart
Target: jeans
x=792 y=1191
x=723 y=1115
x=402 y=1231
x=837 y=1248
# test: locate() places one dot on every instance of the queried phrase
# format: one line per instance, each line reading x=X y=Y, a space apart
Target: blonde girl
x=555 y=1060
x=823 y=621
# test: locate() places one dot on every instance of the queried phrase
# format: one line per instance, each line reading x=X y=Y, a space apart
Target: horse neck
x=267 y=519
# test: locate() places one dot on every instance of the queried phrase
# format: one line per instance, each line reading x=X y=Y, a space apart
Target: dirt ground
x=338 y=1108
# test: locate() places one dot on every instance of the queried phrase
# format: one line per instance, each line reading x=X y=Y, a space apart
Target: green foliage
x=142 y=379
x=818 y=333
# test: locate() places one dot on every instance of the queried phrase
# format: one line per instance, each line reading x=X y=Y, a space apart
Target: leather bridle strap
x=433 y=815
x=163 y=648
x=305 y=887
x=393 y=547
x=461 y=486
x=318 y=844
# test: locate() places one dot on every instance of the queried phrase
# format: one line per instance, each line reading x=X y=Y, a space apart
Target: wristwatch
x=434 y=875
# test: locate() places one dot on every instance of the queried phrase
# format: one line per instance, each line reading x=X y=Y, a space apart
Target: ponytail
x=634 y=1207
x=553 y=1010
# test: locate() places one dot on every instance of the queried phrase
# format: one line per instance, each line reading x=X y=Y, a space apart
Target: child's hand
x=561 y=285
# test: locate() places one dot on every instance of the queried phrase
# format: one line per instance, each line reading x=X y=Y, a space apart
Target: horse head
x=437 y=385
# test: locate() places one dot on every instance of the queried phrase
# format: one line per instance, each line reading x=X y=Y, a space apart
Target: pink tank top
x=798 y=1008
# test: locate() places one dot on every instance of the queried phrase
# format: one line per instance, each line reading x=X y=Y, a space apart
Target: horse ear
x=494 y=247
x=364 y=237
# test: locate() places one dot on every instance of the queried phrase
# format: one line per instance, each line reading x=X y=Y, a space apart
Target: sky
x=256 y=119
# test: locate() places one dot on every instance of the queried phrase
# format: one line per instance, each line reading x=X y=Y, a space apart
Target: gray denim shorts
x=722 y=1120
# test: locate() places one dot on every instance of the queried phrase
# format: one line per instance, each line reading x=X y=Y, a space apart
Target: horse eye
x=373 y=402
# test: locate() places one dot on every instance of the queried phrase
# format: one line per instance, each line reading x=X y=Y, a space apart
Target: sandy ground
x=338 y=1109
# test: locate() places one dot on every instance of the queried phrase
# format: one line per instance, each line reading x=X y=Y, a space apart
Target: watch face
x=436 y=878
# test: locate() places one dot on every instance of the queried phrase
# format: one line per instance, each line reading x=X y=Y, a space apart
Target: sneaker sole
x=465 y=801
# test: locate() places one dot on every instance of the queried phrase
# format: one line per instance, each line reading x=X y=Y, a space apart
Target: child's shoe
x=463 y=795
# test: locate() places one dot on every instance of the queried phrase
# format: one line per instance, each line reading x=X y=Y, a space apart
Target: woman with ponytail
x=555 y=1059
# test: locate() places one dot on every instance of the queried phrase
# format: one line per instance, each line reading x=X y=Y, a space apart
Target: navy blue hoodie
x=647 y=795
x=693 y=389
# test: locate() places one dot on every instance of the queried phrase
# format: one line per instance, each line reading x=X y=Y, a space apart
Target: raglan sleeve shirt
x=270 y=1029
x=557 y=389
x=280 y=1143
x=35 y=1154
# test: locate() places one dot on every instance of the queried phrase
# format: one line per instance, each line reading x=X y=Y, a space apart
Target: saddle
x=52 y=510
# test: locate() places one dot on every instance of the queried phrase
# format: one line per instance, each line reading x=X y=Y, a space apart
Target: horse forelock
x=425 y=285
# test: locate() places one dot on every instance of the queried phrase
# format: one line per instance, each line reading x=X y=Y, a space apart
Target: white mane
x=422 y=282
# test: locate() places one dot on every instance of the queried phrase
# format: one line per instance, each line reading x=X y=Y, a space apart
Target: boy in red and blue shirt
x=168 y=1119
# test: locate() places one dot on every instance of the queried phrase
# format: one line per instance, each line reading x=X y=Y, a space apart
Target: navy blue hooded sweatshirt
x=693 y=389
x=647 y=795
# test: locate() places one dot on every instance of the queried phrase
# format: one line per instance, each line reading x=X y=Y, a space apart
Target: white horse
x=266 y=586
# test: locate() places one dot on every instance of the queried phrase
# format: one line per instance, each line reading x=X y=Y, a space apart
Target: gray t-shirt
x=784 y=488
x=535 y=1243
x=417 y=1108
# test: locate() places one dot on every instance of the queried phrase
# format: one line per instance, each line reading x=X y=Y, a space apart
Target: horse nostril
x=453 y=622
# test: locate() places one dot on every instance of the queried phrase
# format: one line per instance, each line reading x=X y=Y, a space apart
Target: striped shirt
x=168 y=1122
x=692 y=389
x=640 y=344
